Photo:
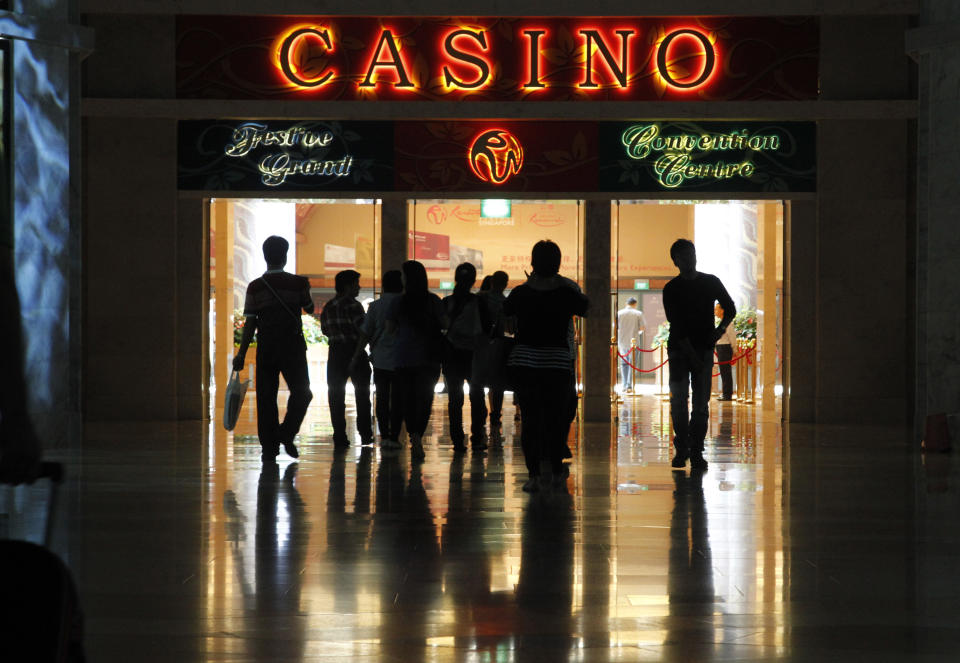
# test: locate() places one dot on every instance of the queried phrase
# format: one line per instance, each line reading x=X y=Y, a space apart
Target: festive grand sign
x=497 y=59
x=497 y=157
x=284 y=155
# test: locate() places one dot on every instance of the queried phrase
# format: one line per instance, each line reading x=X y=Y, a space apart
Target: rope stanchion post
x=741 y=380
x=747 y=376
x=662 y=390
x=614 y=365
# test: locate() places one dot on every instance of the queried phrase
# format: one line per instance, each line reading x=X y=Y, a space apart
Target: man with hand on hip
x=688 y=300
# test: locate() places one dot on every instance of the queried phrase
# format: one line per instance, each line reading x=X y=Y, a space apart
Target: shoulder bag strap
x=282 y=303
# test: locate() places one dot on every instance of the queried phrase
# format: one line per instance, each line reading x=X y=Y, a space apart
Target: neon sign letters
x=676 y=156
x=608 y=59
x=276 y=166
x=495 y=156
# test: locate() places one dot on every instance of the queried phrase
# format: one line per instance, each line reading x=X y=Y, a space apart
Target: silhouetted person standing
x=725 y=356
x=418 y=319
x=463 y=333
x=490 y=359
x=272 y=310
x=630 y=326
x=541 y=361
x=688 y=300
x=383 y=356
x=341 y=321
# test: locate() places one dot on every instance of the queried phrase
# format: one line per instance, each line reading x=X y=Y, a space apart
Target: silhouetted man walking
x=341 y=321
x=688 y=300
x=272 y=309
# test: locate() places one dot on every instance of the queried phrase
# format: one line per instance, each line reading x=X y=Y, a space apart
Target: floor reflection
x=361 y=554
x=690 y=572
x=279 y=547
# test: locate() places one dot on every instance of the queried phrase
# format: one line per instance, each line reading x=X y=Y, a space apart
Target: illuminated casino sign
x=404 y=58
x=304 y=55
x=479 y=156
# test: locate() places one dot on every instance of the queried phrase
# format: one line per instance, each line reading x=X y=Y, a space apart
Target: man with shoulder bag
x=272 y=310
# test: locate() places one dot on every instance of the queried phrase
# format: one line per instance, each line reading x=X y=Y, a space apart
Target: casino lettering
x=610 y=60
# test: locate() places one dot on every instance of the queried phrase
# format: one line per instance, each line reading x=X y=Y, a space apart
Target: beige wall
x=348 y=225
x=646 y=232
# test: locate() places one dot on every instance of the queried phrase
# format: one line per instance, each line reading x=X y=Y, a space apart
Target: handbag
x=233 y=399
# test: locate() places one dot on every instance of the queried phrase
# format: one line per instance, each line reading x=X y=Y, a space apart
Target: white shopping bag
x=233 y=400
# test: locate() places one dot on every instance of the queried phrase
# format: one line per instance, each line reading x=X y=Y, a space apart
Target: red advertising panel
x=497 y=59
x=431 y=249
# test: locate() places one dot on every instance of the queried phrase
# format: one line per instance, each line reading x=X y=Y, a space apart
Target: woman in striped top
x=541 y=362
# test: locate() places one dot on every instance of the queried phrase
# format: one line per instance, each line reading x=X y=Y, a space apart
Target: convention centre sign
x=485 y=156
x=404 y=58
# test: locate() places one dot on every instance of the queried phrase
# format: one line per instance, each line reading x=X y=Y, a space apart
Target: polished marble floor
x=798 y=544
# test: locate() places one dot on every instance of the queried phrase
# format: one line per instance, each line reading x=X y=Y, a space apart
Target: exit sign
x=641 y=284
x=446 y=285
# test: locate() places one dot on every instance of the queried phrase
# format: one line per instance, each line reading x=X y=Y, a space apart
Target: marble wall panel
x=42 y=233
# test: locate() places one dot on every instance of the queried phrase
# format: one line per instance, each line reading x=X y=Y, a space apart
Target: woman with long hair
x=418 y=320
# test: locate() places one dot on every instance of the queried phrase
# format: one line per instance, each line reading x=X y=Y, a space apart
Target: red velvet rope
x=733 y=361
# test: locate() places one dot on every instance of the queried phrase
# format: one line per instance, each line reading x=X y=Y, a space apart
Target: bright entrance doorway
x=741 y=242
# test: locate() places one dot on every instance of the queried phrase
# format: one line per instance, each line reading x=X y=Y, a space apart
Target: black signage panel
x=649 y=156
x=629 y=157
x=291 y=155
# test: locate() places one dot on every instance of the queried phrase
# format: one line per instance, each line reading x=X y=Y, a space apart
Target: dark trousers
x=389 y=403
x=725 y=353
x=690 y=433
x=457 y=367
x=543 y=394
x=417 y=384
x=338 y=372
x=271 y=364
x=496 y=407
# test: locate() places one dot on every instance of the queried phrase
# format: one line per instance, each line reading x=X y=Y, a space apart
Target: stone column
x=393 y=237
x=799 y=310
x=768 y=334
x=192 y=308
x=596 y=328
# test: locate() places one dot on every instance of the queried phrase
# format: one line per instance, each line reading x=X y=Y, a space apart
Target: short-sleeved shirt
x=275 y=324
x=382 y=345
x=543 y=320
x=419 y=338
x=689 y=303
x=341 y=320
